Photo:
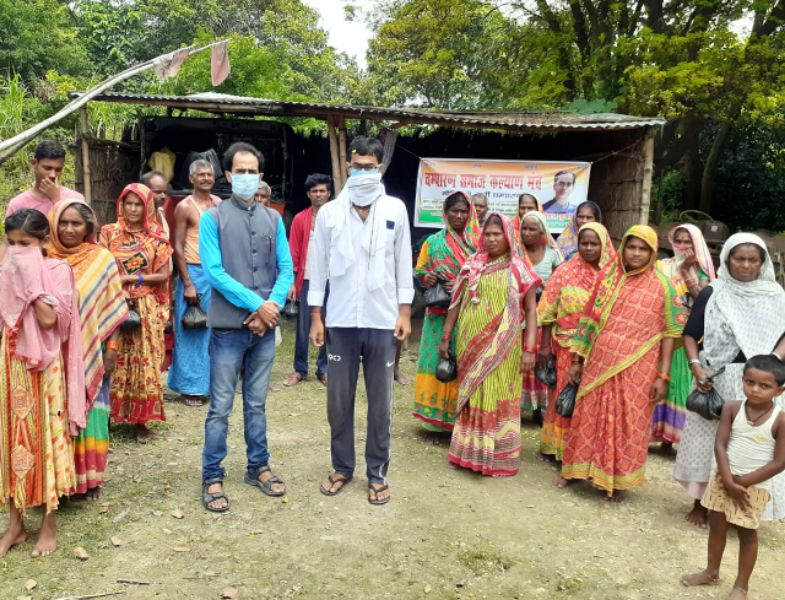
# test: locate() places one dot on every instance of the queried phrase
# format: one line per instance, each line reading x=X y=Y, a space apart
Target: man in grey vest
x=246 y=260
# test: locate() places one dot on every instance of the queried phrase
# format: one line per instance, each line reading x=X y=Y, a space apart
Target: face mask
x=244 y=186
x=365 y=189
x=360 y=172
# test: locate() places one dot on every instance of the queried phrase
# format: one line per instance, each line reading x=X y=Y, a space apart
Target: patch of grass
x=484 y=560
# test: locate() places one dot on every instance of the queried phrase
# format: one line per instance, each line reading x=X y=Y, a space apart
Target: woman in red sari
x=622 y=357
x=142 y=254
x=559 y=310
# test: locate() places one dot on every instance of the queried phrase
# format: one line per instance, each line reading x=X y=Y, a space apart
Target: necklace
x=756 y=420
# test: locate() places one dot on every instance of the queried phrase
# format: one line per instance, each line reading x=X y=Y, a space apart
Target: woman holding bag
x=441 y=258
x=142 y=253
x=739 y=315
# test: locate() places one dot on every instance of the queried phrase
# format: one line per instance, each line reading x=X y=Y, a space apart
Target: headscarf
x=26 y=276
x=364 y=190
x=102 y=306
x=607 y=251
x=150 y=222
x=746 y=316
x=568 y=239
x=543 y=223
x=701 y=250
x=493 y=344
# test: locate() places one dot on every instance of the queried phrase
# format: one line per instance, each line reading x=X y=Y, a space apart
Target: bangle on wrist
x=112 y=346
x=140 y=279
x=694 y=361
x=664 y=376
x=528 y=349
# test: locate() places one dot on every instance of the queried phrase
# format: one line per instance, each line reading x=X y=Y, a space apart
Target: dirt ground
x=445 y=534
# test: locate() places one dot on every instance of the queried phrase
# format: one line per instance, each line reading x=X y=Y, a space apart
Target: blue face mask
x=244 y=185
x=358 y=172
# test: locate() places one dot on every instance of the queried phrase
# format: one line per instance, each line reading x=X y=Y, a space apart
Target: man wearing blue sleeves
x=245 y=258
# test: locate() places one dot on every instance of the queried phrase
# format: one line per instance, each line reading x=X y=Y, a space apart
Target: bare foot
x=614 y=497
x=702 y=578
x=94 y=493
x=13 y=536
x=698 y=516
x=190 y=400
x=737 y=594
x=561 y=482
x=47 y=537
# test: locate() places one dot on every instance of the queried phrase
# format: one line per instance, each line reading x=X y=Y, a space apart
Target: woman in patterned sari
x=559 y=310
x=102 y=308
x=42 y=393
x=441 y=258
x=142 y=255
x=585 y=212
x=690 y=270
x=492 y=297
x=625 y=337
x=540 y=250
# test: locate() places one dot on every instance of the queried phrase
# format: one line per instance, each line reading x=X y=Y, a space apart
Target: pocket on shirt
x=390 y=237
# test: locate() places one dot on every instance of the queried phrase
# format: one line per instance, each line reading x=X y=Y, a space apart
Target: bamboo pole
x=648 y=169
x=84 y=133
x=12 y=145
x=334 y=155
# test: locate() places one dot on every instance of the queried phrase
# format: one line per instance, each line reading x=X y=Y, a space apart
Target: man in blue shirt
x=245 y=258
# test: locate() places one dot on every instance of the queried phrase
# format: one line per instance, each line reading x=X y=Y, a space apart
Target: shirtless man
x=190 y=360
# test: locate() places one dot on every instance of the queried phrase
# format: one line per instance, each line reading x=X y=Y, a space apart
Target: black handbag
x=447 y=370
x=195 y=317
x=134 y=320
x=547 y=372
x=437 y=297
x=708 y=405
x=565 y=401
x=291 y=309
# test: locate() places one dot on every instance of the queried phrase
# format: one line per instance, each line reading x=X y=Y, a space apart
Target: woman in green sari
x=441 y=258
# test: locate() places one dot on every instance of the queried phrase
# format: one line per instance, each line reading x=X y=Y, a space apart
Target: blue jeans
x=232 y=352
x=301 y=342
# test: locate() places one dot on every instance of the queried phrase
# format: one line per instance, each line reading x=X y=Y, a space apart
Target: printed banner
x=560 y=186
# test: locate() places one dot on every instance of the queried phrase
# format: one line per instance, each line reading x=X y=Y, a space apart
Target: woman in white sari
x=737 y=316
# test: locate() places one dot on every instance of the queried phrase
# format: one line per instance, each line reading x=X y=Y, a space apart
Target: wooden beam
x=334 y=155
x=341 y=123
x=84 y=136
x=647 y=146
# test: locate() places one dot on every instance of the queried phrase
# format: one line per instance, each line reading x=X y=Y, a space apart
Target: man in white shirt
x=362 y=244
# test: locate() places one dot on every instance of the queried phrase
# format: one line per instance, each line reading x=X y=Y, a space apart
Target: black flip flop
x=375 y=501
x=208 y=497
x=265 y=486
x=342 y=479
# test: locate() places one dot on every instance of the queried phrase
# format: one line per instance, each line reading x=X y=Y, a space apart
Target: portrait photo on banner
x=558 y=185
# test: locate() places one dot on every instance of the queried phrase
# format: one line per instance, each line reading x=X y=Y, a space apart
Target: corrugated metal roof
x=516 y=121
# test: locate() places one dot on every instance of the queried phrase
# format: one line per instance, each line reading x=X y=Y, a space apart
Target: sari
x=561 y=305
x=669 y=415
x=443 y=253
x=486 y=437
x=516 y=221
x=136 y=392
x=102 y=308
x=619 y=336
x=41 y=381
x=535 y=392
x=568 y=238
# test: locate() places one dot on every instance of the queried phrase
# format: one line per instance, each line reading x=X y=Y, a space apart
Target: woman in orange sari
x=559 y=310
x=142 y=254
x=622 y=357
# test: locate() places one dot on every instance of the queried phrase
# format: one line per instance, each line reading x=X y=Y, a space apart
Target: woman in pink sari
x=42 y=391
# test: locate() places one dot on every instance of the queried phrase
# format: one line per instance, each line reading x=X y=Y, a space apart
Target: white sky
x=349 y=37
